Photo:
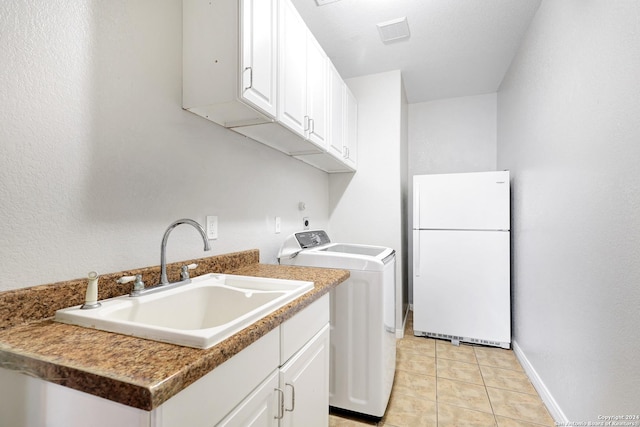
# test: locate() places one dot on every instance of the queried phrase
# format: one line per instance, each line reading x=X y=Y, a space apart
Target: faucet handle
x=138 y=285
x=126 y=279
x=184 y=271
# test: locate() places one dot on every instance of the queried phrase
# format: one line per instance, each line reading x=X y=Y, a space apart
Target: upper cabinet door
x=336 y=112
x=292 y=81
x=317 y=92
x=350 y=150
x=259 y=54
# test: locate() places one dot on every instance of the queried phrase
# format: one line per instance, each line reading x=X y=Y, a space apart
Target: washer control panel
x=310 y=239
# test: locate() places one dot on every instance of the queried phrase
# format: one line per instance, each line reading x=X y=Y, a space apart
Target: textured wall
x=97 y=157
x=568 y=130
x=453 y=135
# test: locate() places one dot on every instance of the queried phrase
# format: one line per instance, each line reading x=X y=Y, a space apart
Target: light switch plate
x=212 y=227
x=277 y=225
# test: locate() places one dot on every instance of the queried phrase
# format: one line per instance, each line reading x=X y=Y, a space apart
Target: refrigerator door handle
x=416 y=254
x=416 y=205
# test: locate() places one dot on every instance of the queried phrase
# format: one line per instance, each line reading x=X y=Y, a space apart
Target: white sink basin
x=200 y=314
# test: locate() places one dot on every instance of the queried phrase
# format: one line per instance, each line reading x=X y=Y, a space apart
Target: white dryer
x=363 y=341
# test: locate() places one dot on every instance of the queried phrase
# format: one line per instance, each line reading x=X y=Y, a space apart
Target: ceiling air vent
x=397 y=29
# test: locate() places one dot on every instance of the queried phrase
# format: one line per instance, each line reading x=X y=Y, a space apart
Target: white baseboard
x=545 y=395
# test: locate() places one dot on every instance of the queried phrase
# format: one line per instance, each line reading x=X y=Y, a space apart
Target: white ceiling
x=456 y=48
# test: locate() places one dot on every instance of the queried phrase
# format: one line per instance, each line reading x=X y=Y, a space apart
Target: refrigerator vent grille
x=485 y=342
x=446 y=337
x=457 y=338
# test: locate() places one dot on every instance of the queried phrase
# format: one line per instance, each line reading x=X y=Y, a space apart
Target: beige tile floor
x=439 y=384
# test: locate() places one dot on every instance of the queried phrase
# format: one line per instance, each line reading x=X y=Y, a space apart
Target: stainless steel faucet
x=163 y=247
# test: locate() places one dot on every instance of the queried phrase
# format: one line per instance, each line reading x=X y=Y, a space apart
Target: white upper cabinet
x=317 y=92
x=292 y=83
x=303 y=79
x=336 y=112
x=254 y=66
x=259 y=59
x=350 y=146
x=343 y=128
x=230 y=60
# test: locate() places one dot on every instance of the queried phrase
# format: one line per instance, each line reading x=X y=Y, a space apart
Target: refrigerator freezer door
x=464 y=201
x=461 y=287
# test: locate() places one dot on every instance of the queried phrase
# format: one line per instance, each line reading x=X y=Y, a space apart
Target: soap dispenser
x=91 y=297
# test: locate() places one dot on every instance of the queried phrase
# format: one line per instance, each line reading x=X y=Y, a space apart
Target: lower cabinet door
x=304 y=379
x=259 y=409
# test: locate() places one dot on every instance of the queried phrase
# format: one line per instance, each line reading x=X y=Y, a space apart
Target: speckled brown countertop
x=138 y=372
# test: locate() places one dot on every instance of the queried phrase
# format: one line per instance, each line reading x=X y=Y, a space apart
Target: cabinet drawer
x=295 y=332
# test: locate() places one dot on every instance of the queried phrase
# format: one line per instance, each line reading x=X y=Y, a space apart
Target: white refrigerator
x=461 y=257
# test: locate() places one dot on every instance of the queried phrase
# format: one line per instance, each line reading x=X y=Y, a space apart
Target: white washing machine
x=363 y=341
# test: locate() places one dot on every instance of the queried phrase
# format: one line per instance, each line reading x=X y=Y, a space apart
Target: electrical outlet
x=212 y=227
x=277 y=225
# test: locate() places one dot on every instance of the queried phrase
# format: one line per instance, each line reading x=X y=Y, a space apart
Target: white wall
x=449 y=136
x=366 y=207
x=97 y=157
x=453 y=135
x=569 y=130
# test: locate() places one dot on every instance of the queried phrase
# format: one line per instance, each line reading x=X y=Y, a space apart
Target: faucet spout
x=163 y=246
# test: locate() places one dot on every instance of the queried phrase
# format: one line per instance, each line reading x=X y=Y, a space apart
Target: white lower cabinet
x=304 y=382
x=280 y=380
x=296 y=394
x=259 y=409
x=205 y=402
